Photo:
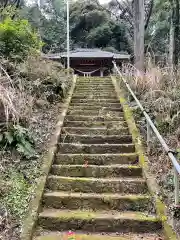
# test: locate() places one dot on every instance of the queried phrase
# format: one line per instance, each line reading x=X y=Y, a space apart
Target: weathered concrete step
x=80 y=83
x=97 y=159
x=91 y=85
x=93 y=118
x=96 y=171
x=95 y=148
x=94 y=95
x=100 y=221
x=86 y=139
x=107 y=201
x=97 y=185
x=54 y=235
x=94 y=91
x=94 y=80
x=95 y=107
x=95 y=131
x=95 y=87
x=92 y=113
x=95 y=101
x=94 y=124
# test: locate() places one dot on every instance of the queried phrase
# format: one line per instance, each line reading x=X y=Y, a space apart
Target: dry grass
x=159 y=92
x=22 y=86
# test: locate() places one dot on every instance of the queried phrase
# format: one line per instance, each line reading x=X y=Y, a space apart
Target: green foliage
x=157 y=34
x=17 y=39
x=17 y=198
x=90 y=25
x=93 y=27
x=50 y=22
x=19 y=138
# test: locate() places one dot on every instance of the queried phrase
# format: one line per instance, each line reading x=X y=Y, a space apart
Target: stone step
x=95 y=148
x=95 y=171
x=95 y=131
x=94 y=82
x=96 y=139
x=85 y=83
x=99 y=221
x=92 y=113
x=100 y=85
x=56 y=235
x=95 y=91
x=97 y=185
x=95 y=107
x=91 y=85
x=70 y=200
x=95 y=87
x=94 y=101
x=94 y=124
x=93 y=118
x=94 y=95
x=97 y=159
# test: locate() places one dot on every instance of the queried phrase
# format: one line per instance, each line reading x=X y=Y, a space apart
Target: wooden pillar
x=139 y=34
x=101 y=72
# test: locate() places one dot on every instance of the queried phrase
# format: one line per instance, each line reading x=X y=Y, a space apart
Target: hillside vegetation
x=31 y=92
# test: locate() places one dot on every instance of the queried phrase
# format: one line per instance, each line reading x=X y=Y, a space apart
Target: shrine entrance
x=91 y=62
x=91 y=67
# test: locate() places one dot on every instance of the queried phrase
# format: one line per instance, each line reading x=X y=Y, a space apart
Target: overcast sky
x=104 y=1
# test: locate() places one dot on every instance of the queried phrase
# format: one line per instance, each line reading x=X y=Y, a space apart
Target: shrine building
x=91 y=62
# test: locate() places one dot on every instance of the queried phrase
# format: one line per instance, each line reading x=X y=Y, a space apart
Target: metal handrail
x=150 y=125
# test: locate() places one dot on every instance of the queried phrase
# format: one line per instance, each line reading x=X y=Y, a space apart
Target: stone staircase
x=95 y=187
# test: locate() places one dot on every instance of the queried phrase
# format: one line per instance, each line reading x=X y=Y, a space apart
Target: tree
x=92 y=26
x=49 y=20
x=123 y=10
x=139 y=34
x=174 y=32
x=157 y=34
x=15 y=3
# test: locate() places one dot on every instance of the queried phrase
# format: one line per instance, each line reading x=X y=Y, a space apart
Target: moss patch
x=160 y=206
x=29 y=222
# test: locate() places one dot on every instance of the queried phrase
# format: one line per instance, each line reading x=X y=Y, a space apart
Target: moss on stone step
x=100 y=221
x=93 y=118
x=97 y=185
x=95 y=148
x=97 y=159
x=103 y=236
x=97 y=171
x=68 y=200
x=96 y=139
x=95 y=131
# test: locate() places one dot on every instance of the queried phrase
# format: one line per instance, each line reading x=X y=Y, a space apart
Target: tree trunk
x=171 y=44
x=174 y=34
x=139 y=34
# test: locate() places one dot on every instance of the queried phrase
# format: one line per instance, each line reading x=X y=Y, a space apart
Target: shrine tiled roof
x=89 y=53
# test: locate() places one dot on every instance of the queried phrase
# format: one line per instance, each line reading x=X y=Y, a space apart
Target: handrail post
x=176 y=185
x=148 y=133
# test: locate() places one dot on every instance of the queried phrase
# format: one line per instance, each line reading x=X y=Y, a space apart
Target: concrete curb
x=152 y=185
x=34 y=206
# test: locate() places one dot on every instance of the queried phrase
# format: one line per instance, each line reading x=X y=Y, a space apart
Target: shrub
x=18 y=138
x=17 y=39
x=44 y=78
